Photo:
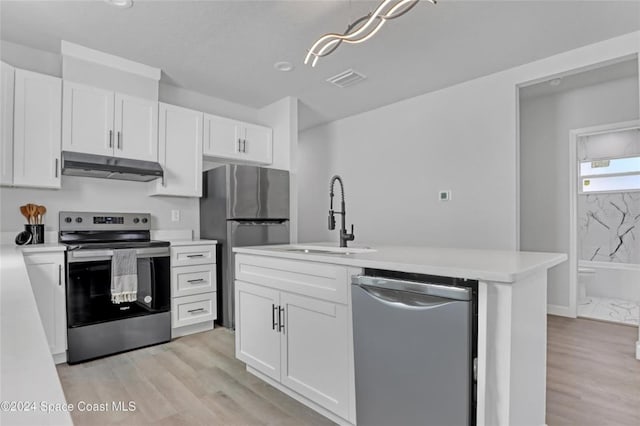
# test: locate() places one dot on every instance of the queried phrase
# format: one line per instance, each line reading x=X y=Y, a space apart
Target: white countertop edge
x=180 y=243
x=547 y=260
x=27 y=369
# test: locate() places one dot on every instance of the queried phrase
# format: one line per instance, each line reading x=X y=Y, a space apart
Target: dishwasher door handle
x=405 y=300
x=419 y=288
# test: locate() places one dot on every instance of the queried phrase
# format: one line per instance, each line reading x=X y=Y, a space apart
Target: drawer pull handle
x=281 y=319
x=274 y=323
x=193 y=311
x=199 y=280
x=195 y=255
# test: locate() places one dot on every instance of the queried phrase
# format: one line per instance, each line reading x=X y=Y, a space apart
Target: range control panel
x=89 y=221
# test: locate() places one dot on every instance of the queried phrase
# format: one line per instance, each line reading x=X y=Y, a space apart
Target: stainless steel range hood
x=105 y=167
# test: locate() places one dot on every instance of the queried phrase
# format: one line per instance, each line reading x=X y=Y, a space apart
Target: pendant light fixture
x=362 y=29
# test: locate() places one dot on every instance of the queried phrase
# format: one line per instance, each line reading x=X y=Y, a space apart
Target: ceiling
x=227 y=49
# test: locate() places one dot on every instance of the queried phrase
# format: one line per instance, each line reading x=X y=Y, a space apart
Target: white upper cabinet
x=136 y=125
x=36 y=130
x=235 y=140
x=257 y=143
x=180 y=152
x=220 y=139
x=88 y=119
x=97 y=121
x=6 y=124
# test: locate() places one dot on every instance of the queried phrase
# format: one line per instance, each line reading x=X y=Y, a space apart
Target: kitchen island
x=294 y=325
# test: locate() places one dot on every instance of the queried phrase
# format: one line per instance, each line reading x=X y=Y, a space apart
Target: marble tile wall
x=609 y=227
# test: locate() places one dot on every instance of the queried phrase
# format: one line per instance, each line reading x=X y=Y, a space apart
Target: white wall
x=88 y=194
x=463 y=138
x=282 y=117
x=395 y=159
x=544 y=160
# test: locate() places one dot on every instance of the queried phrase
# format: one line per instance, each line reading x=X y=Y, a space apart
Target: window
x=611 y=175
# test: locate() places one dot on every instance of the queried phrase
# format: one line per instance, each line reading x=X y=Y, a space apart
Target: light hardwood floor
x=592 y=379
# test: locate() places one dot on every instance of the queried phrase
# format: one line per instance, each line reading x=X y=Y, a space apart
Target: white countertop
x=178 y=243
x=27 y=370
x=484 y=265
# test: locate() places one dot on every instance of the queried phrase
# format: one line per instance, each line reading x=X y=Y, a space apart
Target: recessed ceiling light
x=122 y=4
x=283 y=66
x=555 y=82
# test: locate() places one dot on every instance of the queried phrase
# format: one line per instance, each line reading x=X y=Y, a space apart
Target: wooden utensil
x=32 y=209
x=41 y=211
x=25 y=213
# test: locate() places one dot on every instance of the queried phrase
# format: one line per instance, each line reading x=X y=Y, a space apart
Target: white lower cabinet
x=314 y=350
x=193 y=288
x=301 y=342
x=47 y=277
x=257 y=336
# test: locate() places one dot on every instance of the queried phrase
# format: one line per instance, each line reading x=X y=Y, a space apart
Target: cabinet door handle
x=110 y=138
x=274 y=323
x=119 y=140
x=239 y=145
x=195 y=255
x=199 y=280
x=59 y=275
x=193 y=311
x=244 y=146
x=56 y=167
x=281 y=319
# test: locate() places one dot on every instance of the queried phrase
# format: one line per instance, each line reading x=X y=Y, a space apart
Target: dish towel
x=124 y=276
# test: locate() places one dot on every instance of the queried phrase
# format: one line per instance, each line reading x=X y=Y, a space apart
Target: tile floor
x=613 y=310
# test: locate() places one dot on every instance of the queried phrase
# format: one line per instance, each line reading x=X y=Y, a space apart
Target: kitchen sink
x=340 y=251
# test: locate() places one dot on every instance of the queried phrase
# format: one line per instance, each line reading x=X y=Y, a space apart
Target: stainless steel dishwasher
x=414 y=350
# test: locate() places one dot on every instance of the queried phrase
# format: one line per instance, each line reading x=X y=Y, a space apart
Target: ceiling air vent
x=346 y=78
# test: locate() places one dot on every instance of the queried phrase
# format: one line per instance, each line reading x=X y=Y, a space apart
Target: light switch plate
x=444 y=195
x=175 y=215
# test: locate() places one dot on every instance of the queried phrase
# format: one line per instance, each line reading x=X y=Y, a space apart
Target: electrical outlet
x=444 y=195
x=175 y=215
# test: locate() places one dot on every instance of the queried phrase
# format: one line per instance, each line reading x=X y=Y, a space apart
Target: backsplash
x=609 y=227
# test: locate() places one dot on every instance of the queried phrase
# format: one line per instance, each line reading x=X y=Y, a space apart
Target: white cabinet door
x=46 y=273
x=36 y=130
x=180 y=152
x=136 y=125
x=257 y=336
x=6 y=125
x=87 y=119
x=257 y=144
x=315 y=361
x=221 y=137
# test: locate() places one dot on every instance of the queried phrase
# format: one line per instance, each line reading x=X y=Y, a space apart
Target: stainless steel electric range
x=95 y=325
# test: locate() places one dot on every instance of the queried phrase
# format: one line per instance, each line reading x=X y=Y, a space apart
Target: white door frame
x=574 y=135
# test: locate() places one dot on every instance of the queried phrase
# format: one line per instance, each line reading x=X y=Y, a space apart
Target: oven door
x=89 y=286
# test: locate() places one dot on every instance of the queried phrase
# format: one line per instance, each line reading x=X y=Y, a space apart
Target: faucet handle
x=351 y=236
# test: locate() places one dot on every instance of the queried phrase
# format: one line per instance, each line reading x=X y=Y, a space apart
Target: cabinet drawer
x=313 y=279
x=189 y=280
x=193 y=255
x=188 y=310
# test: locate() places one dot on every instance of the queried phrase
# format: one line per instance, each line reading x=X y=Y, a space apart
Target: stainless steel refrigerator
x=242 y=206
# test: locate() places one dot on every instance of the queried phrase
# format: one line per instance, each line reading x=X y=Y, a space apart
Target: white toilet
x=585 y=279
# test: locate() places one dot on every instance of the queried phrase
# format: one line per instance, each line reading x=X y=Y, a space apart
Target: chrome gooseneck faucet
x=344 y=235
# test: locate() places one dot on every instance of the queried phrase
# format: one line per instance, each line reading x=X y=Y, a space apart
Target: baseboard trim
x=60 y=358
x=559 y=310
x=315 y=407
x=191 y=329
x=638 y=350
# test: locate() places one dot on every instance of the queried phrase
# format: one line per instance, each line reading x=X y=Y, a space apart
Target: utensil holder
x=37 y=233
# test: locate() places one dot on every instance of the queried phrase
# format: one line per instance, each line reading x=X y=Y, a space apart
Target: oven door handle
x=141 y=252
